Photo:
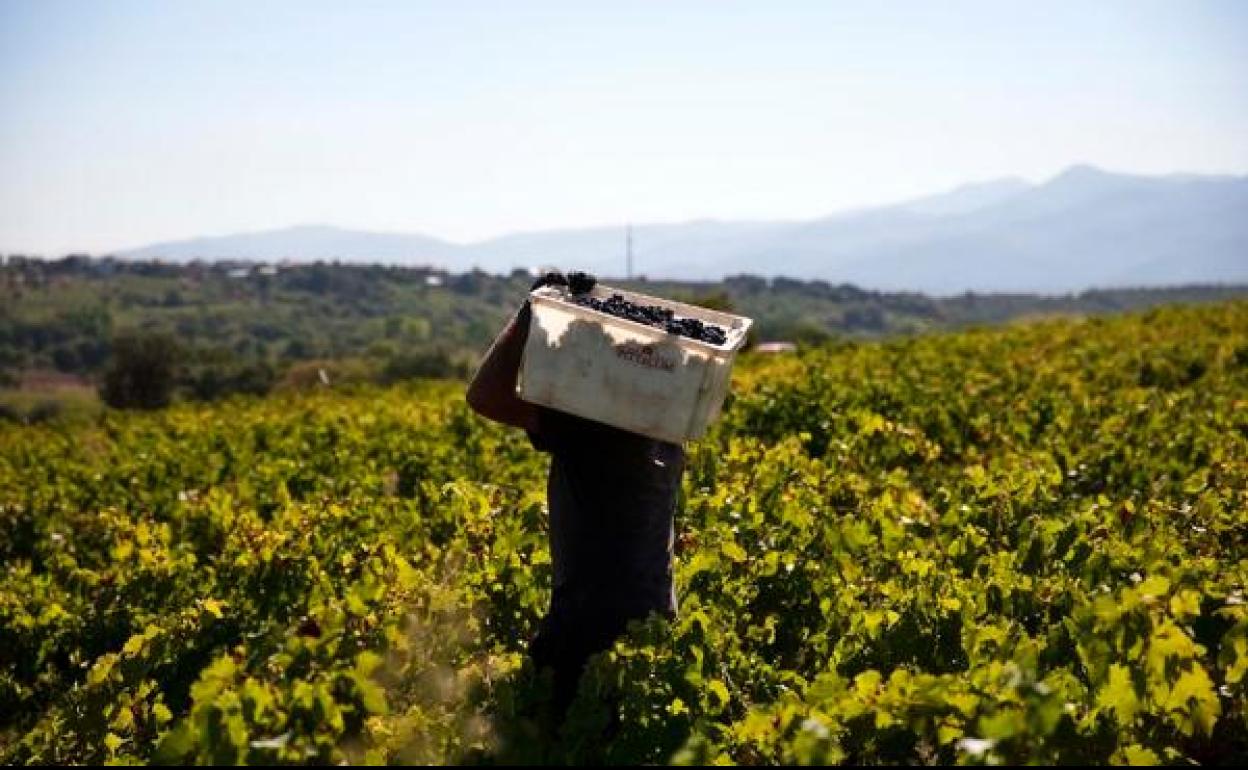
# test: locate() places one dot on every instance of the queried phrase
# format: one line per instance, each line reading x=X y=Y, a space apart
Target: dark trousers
x=580 y=623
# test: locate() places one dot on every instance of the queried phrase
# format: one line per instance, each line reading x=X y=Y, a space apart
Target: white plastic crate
x=623 y=373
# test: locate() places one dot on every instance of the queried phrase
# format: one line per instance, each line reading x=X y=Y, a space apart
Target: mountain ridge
x=1080 y=229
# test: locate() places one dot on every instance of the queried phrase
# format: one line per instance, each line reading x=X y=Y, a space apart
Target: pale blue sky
x=123 y=123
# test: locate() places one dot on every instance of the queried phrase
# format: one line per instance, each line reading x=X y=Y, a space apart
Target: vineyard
x=1026 y=544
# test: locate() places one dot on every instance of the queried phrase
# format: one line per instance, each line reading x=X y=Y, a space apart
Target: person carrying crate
x=612 y=497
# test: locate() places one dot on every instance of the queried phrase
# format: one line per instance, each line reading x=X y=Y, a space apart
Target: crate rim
x=736 y=333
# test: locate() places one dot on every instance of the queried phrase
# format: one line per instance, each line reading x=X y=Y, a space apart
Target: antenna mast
x=628 y=251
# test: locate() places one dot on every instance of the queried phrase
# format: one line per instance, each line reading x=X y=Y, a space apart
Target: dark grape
x=654 y=315
x=581 y=283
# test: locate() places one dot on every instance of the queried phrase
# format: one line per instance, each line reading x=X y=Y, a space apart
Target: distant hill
x=968 y=197
x=306 y=243
x=1084 y=228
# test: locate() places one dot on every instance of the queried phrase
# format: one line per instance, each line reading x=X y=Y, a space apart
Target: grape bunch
x=581 y=283
x=654 y=315
x=577 y=283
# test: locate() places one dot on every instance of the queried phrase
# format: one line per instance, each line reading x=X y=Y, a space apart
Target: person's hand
x=553 y=278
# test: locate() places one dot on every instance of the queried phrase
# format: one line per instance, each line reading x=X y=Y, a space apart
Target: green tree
x=142 y=372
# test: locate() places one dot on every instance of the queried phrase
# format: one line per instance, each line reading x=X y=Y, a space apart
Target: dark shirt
x=612 y=497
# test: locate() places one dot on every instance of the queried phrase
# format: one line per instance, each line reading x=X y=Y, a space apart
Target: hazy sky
x=123 y=123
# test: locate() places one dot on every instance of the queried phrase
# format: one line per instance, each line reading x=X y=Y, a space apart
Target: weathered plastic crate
x=626 y=374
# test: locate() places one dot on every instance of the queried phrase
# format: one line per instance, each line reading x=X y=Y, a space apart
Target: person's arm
x=492 y=392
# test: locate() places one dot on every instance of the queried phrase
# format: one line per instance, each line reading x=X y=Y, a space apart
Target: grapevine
x=1017 y=545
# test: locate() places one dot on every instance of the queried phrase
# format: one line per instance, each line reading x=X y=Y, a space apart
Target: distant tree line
x=145 y=332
